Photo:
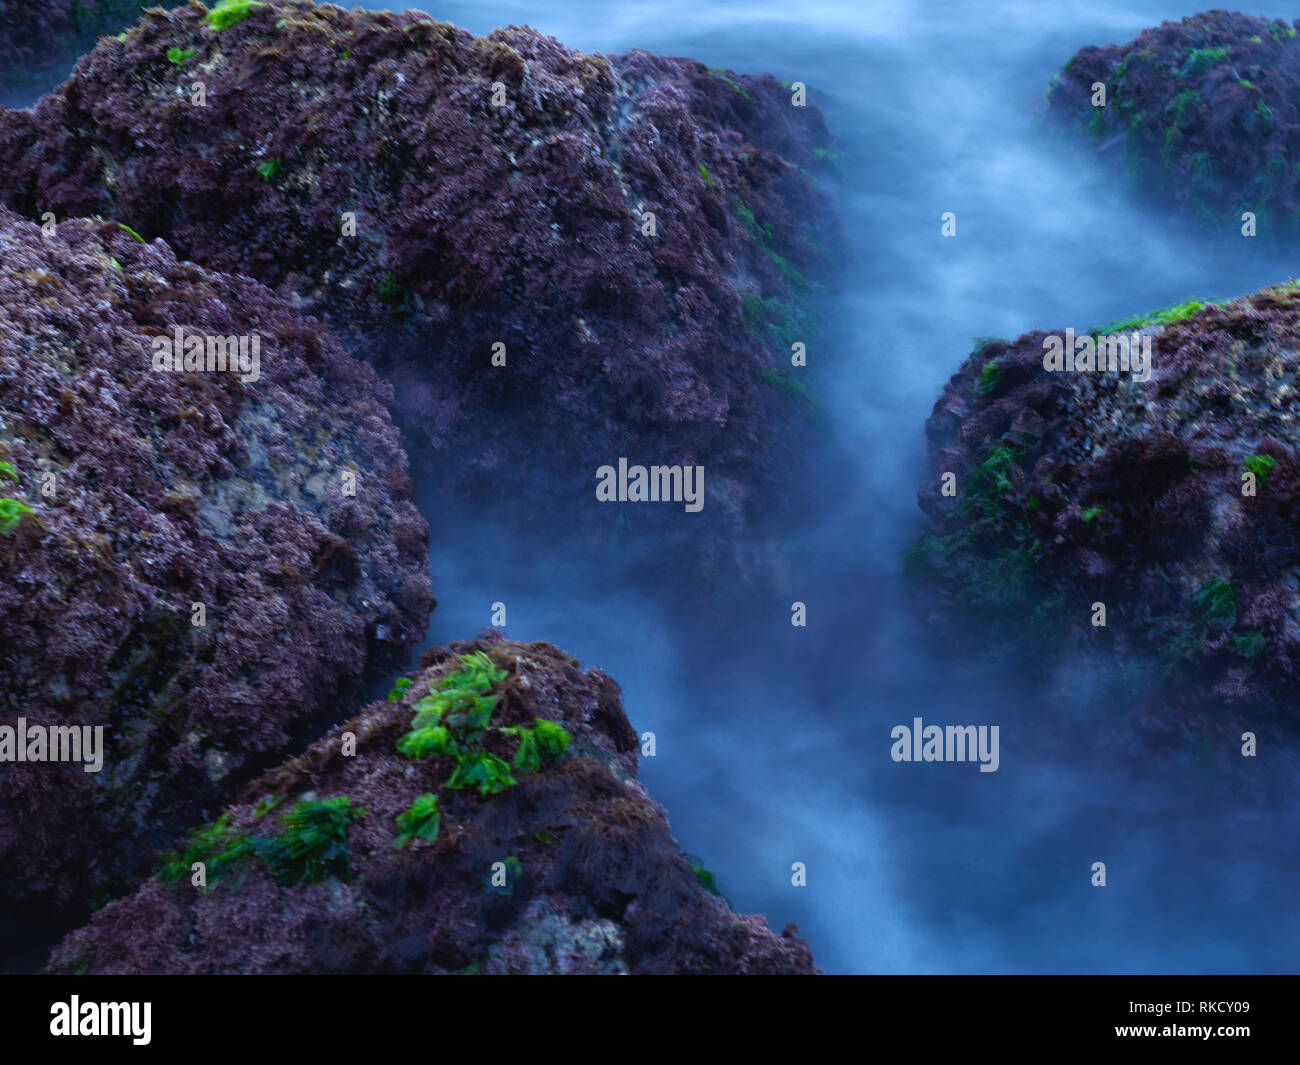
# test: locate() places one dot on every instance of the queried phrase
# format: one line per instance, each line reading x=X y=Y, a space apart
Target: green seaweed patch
x=1174 y=112
x=724 y=75
x=704 y=173
x=759 y=231
x=483 y=771
x=230 y=13
x=993 y=559
x=269 y=170
x=1091 y=514
x=1213 y=607
x=981 y=344
x=704 y=878
x=125 y=228
x=178 y=56
x=312 y=845
x=545 y=742
x=421 y=820
x=761 y=234
x=223 y=850
x=9 y=470
x=990 y=378
x=453 y=720
x=1165 y=316
x=1260 y=466
x=1216 y=603
x=399 y=689
x=988 y=482
x=12 y=512
x=1200 y=60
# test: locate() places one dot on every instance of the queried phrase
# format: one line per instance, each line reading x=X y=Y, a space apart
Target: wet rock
x=639 y=237
x=569 y=868
x=1172 y=502
x=1202 y=112
x=181 y=561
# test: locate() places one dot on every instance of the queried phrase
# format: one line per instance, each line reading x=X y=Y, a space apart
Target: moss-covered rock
x=570 y=868
x=138 y=493
x=1075 y=488
x=1204 y=110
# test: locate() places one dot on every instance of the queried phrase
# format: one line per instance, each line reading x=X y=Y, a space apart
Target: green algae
x=421 y=820
x=312 y=846
x=230 y=13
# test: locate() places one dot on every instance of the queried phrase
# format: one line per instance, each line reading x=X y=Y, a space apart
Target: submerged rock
x=1204 y=111
x=635 y=236
x=181 y=561
x=360 y=857
x=1172 y=502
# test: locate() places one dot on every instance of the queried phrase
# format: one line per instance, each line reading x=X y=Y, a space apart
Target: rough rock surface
x=524 y=225
x=594 y=881
x=1205 y=111
x=1075 y=488
x=35 y=37
x=150 y=491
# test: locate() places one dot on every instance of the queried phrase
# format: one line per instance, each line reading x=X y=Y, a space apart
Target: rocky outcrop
x=486 y=818
x=35 y=37
x=637 y=237
x=200 y=562
x=1172 y=502
x=556 y=260
x=1203 y=111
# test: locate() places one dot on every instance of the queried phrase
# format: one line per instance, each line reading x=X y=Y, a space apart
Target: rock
x=1203 y=112
x=132 y=494
x=1077 y=488
x=640 y=234
x=570 y=868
